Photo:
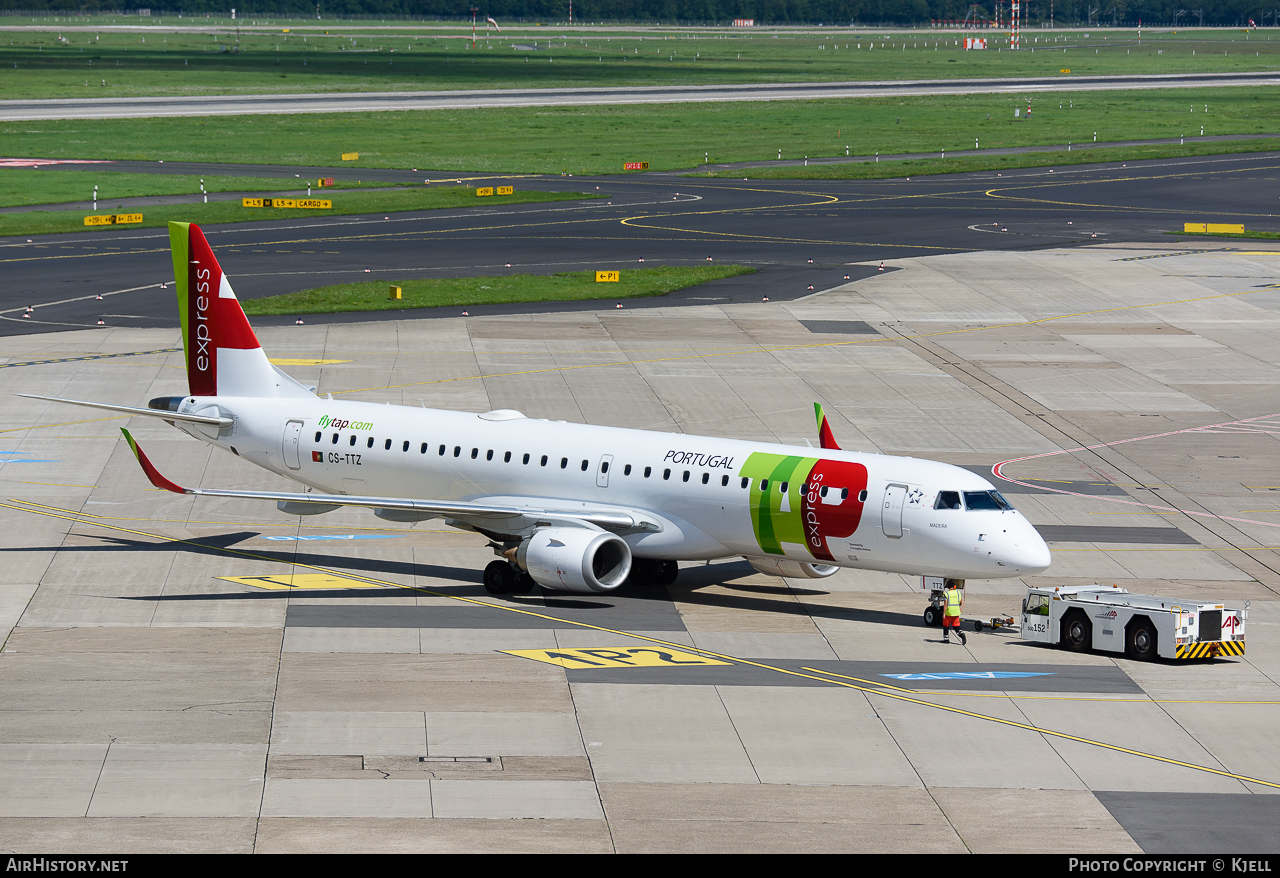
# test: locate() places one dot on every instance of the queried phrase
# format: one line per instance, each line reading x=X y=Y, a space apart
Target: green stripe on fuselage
x=180 y=249
x=771 y=524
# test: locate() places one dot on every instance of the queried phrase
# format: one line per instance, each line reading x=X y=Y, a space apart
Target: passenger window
x=604 y=466
x=724 y=481
x=584 y=466
x=489 y=454
x=317 y=435
x=647 y=471
x=526 y=460
x=405 y=447
x=822 y=492
x=782 y=488
x=666 y=474
x=442 y=450
x=764 y=485
x=706 y=477
x=423 y=450
x=506 y=458
x=353 y=440
x=475 y=452
x=370 y=444
x=386 y=446
x=686 y=476
x=626 y=470
x=457 y=451
x=745 y=483
x=544 y=460
x=564 y=463
x=844 y=494
x=947 y=500
x=335 y=438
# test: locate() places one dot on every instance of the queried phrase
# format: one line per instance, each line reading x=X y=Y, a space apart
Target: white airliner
x=573 y=507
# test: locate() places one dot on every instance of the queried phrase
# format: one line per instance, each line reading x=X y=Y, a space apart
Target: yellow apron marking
x=283 y=361
x=285 y=581
x=867 y=688
x=614 y=657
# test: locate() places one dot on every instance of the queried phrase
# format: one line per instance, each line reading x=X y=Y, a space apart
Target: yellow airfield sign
x=608 y=277
x=308 y=203
x=113 y=219
x=616 y=657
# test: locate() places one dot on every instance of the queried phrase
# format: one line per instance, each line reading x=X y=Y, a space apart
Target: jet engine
x=576 y=559
x=791 y=569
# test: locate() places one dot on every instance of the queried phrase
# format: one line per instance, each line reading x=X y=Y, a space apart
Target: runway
x=798 y=234
x=277 y=104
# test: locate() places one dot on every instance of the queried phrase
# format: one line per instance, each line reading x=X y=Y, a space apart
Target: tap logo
x=343 y=423
x=795 y=508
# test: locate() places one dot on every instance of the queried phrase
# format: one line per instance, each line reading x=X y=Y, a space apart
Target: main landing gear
x=650 y=571
x=501 y=577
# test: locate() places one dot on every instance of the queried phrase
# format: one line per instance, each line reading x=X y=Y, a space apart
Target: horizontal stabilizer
x=134 y=410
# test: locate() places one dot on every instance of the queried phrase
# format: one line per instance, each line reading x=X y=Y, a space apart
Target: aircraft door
x=602 y=470
x=891 y=510
x=289 y=444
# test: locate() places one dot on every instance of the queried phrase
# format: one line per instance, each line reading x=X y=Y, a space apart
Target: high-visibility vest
x=954 y=597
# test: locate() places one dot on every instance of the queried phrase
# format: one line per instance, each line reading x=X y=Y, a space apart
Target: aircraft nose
x=1027 y=550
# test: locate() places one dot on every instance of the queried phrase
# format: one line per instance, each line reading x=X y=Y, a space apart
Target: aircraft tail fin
x=826 y=439
x=223 y=355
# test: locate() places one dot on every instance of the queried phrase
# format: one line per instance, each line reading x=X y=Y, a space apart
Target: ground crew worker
x=951 y=616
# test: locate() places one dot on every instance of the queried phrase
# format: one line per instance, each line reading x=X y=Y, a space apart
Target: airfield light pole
x=474 y=10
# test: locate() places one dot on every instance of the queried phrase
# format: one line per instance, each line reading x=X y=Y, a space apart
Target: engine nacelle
x=791 y=569
x=576 y=559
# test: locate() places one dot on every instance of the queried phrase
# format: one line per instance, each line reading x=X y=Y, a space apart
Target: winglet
x=825 y=437
x=152 y=473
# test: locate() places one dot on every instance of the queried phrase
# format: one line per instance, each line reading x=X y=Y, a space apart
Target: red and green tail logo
x=211 y=316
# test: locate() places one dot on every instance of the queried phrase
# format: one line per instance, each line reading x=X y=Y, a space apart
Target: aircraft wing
x=610 y=518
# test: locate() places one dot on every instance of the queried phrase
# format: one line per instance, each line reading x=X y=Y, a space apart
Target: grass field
x=567 y=286
x=24 y=186
x=345 y=202
x=598 y=140
x=171 y=57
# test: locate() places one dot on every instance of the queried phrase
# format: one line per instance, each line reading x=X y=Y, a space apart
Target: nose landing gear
x=937 y=586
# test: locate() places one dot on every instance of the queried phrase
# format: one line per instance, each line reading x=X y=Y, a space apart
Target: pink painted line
x=1208 y=428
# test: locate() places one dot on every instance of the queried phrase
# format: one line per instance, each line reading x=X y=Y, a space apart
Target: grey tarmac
x=364 y=102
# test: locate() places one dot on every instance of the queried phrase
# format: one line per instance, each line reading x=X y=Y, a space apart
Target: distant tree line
x=831 y=12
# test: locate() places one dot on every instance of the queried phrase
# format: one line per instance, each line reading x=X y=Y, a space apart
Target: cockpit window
x=947 y=500
x=986 y=501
